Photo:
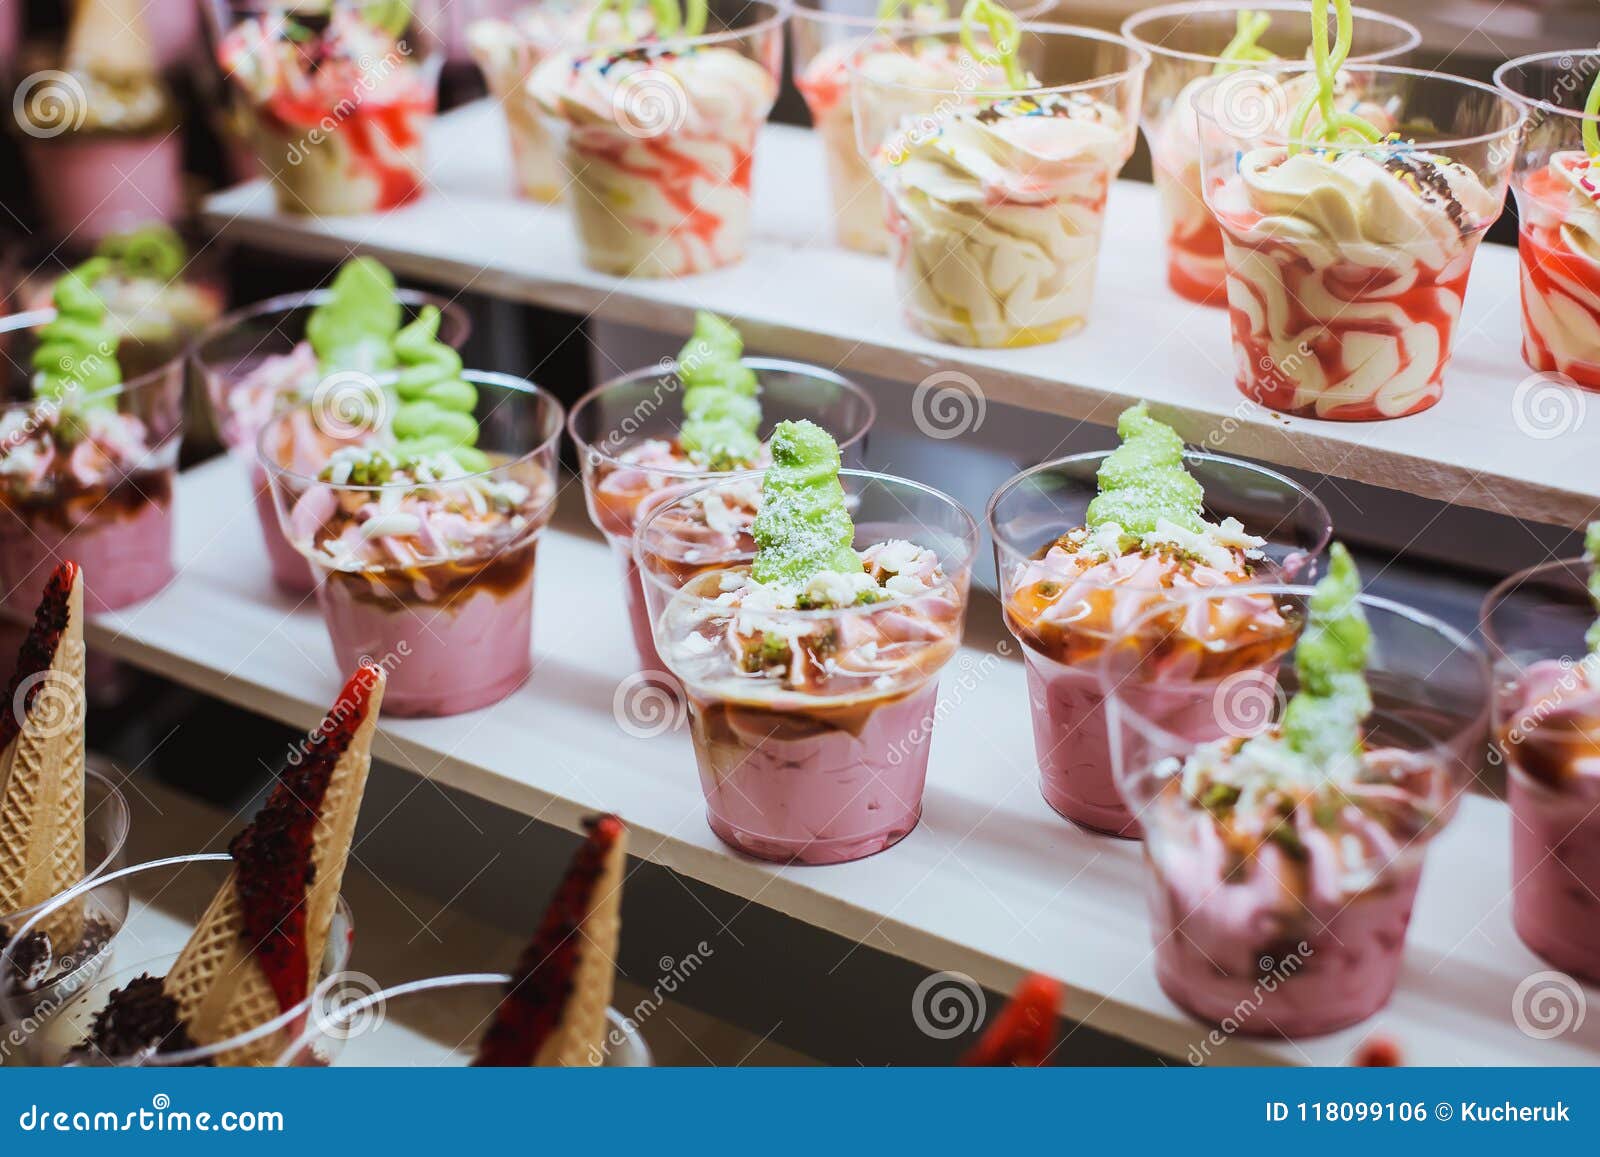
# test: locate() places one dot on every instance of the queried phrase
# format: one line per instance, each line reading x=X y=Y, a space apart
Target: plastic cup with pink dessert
x=338 y=98
x=822 y=760
x=436 y=1023
x=1557 y=184
x=1290 y=899
x=1187 y=43
x=429 y=574
x=89 y=480
x=255 y=363
x=626 y=432
x=1064 y=614
x=661 y=135
x=154 y=907
x=1547 y=725
x=1347 y=261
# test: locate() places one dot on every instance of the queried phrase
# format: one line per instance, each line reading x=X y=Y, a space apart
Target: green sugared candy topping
x=720 y=411
x=154 y=251
x=804 y=527
x=1143 y=481
x=436 y=403
x=76 y=357
x=1322 y=723
x=355 y=329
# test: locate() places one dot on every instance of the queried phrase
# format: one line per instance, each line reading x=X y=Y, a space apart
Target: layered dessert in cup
x=1084 y=545
x=1540 y=625
x=661 y=133
x=553 y=1011
x=1190 y=43
x=1347 y=248
x=88 y=457
x=1557 y=185
x=422 y=524
x=1284 y=857
x=648 y=435
x=810 y=664
x=100 y=134
x=275 y=355
x=995 y=193
x=221 y=956
x=338 y=97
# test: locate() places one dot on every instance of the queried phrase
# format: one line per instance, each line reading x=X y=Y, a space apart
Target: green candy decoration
x=804 y=527
x=75 y=362
x=1334 y=127
x=1591 y=549
x=1143 y=481
x=1004 y=38
x=436 y=403
x=155 y=252
x=355 y=328
x=1245 y=48
x=720 y=411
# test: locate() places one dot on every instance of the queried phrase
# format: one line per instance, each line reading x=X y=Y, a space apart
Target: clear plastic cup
x=1547 y=725
x=1062 y=644
x=1288 y=922
x=450 y=619
x=338 y=100
x=256 y=362
x=436 y=1023
x=811 y=774
x=661 y=136
x=1558 y=218
x=1185 y=42
x=612 y=422
x=1345 y=287
x=156 y=906
x=995 y=222
x=104 y=501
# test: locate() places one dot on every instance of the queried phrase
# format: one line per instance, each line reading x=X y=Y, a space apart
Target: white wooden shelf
x=992 y=883
x=798 y=296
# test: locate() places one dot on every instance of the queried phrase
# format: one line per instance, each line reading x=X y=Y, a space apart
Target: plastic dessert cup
x=435 y=1023
x=1347 y=266
x=345 y=133
x=444 y=605
x=661 y=138
x=254 y=363
x=1558 y=214
x=1185 y=43
x=170 y=897
x=1297 y=927
x=612 y=423
x=824 y=773
x=1062 y=642
x=994 y=211
x=105 y=501
x=1547 y=724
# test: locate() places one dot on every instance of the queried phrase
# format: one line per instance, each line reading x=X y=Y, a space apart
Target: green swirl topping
x=154 y=251
x=1245 y=47
x=804 y=527
x=720 y=411
x=76 y=358
x=1334 y=126
x=355 y=328
x=1004 y=38
x=436 y=403
x=1144 y=482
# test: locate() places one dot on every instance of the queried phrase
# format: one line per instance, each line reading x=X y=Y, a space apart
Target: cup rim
x=1503 y=71
x=1300 y=7
x=1139 y=63
x=1202 y=101
x=591 y=451
x=121 y=822
x=677 y=44
x=802 y=12
x=1499 y=593
x=154 y=379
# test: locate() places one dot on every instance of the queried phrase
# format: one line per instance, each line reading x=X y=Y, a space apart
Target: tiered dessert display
x=648 y=435
x=1557 y=183
x=552 y=1011
x=1348 y=246
x=811 y=665
x=338 y=97
x=1546 y=647
x=1189 y=43
x=325 y=347
x=87 y=457
x=1284 y=858
x=235 y=982
x=661 y=128
x=996 y=189
x=1087 y=544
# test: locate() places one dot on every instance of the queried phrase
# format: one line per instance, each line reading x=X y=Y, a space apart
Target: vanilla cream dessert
x=660 y=142
x=1560 y=248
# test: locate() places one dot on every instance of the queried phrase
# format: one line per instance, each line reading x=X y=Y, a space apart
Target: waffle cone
x=109 y=38
x=579 y=1038
x=220 y=990
x=41 y=789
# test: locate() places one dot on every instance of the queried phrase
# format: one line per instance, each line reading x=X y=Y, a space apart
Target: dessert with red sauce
x=649 y=435
x=661 y=129
x=87 y=457
x=339 y=97
x=812 y=669
x=1086 y=545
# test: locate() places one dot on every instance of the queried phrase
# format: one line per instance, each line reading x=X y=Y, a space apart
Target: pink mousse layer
x=124 y=559
x=290 y=570
x=644 y=639
x=94 y=185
